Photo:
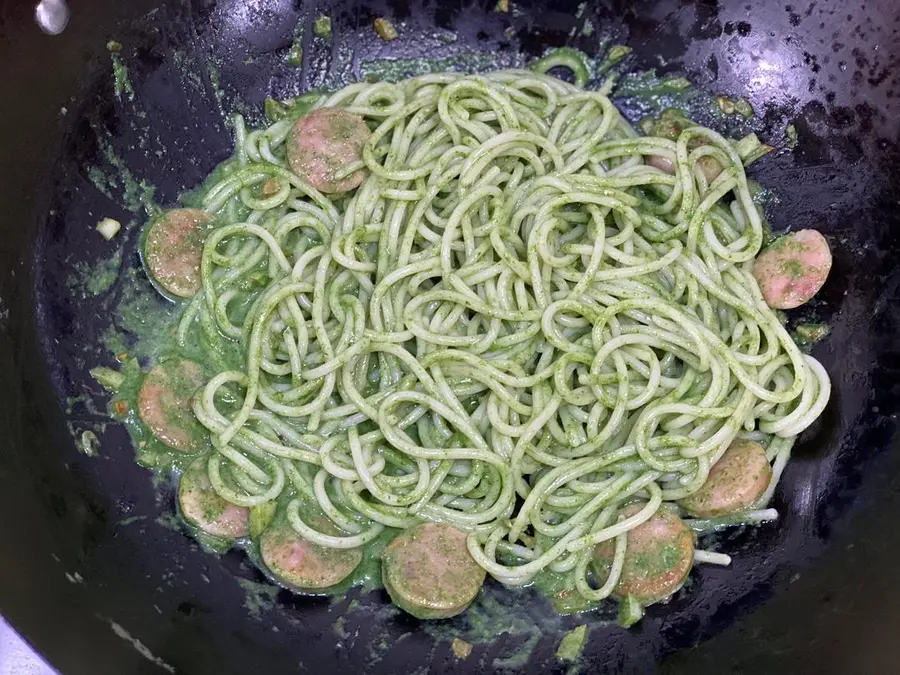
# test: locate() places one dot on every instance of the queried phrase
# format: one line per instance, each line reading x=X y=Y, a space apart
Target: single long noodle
x=514 y=324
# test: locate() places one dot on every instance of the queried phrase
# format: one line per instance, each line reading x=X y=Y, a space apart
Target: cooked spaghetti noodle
x=514 y=325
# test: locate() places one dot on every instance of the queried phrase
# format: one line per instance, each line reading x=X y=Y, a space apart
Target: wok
x=91 y=572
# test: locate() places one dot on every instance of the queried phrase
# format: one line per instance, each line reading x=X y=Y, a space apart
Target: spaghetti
x=515 y=325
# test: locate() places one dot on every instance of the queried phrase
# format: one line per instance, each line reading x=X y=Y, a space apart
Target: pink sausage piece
x=791 y=270
x=164 y=404
x=659 y=555
x=322 y=144
x=303 y=564
x=174 y=247
x=202 y=506
x=428 y=571
x=735 y=482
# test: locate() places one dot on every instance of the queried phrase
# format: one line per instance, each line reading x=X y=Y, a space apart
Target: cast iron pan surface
x=97 y=580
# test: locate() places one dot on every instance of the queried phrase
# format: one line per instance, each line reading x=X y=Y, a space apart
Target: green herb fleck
x=630 y=612
x=726 y=105
x=93 y=280
x=572 y=644
x=808 y=334
x=259 y=597
x=648 y=84
x=743 y=108
x=617 y=53
x=793 y=268
x=111 y=379
x=340 y=627
x=790 y=135
x=322 y=26
x=295 y=56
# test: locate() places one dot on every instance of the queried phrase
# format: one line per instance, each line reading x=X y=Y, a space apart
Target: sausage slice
x=658 y=556
x=323 y=143
x=735 y=482
x=164 y=404
x=203 y=507
x=428 y=572
x=301 y=563
x=173 y=249
x=791 y=270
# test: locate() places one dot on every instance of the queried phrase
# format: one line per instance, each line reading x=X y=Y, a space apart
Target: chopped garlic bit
x=109 y=228
x=461 y=648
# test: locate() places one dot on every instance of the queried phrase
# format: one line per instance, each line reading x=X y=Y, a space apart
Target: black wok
x=96 y=580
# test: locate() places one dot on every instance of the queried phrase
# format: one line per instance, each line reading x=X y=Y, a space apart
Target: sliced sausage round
x=300 y=563
x=323 y=143
x=791 y=270
x=173 y=249
x=658 y=556
x=202 y=506
x=428 y=572
x=164 y=404
x=735 y=482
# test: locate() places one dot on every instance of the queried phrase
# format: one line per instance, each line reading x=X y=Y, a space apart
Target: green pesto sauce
x=648 y=83
x=213 y=507
x=261 y=516
x=394 y=70
x=561 y=592
x=92 y=280
x=293 y=108
x=787 y=243
x=258 y=597
x=116 y=182
x=142 y=322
